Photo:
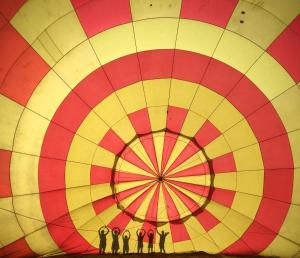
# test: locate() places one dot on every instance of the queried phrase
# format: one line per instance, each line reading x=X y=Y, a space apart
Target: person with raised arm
x=103 y=231
x=126 y=236
x=162 y=239
x=140 y=235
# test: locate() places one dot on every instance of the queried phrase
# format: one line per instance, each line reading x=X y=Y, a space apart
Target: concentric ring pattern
x=174 y=115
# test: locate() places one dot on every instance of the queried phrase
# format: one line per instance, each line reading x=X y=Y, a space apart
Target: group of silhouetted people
x=140 y=233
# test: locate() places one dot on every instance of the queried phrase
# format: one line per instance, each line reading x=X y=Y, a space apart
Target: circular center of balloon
x=169 y=181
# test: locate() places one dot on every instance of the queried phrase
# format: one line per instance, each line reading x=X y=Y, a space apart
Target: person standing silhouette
x=150 y=241
x=115 y=243
x=126 y=238
x=162 y=239
x=103 y=231
x=140 y=235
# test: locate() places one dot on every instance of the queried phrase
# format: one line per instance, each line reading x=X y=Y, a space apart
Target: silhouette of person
x=115 y=243
x=162 y=239
x=140 y=235
x=150 y=241
x=103 y=231
x=126 y=236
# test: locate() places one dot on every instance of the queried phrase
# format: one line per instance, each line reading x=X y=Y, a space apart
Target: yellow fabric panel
x=157 y=92
x=51 y=90
x=182 y=93
x=181 y=247
x=161 y=207
x=39 y=47
x=141 y=9
x=223 y=236
x=282 y=247
x=205 y=101
x=81 y=150
x=284 y=10
x=100 y=191
x=83 y=214
x=103 y=158
x=159 y=33
x=124 y=129
x=206 y=244
x=107 y=44
x=8 y=222
x=125 y=166
x=246 y=204
x=225 y=180
x=240 y=135
x=218 y=210
x=225 y=116
x=194 y=228
x=93 y=128
x=29 y=139
x=291 y=228
x=36 y=15
x=132 y=97
x=110 y=109
x=198 y=37
x=10 y=113
x=180 y=206
x=66 y=32
x=296 y=187
x=251 y=182
x=78 y=197
x=259 y=25
x=77 y=174
x=42 y=235
x=248 y=158
x=237 y=222
x=237 y=51
x=24 y=174
x=29 y=212
x=287 y=106
x=158 y=117
x=192 y=124
x=217 y=147
x=47 y=44
x=77 y=64
x=158 y=141
x=267 y=71
x=294 y=139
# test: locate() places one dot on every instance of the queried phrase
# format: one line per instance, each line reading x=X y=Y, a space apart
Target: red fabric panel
x=71 y=112
x=239 y=248
x=266 y=123
x=178 y=231
x=276 y=153
x=112 y=13
x=10 y=8
x=276 y=181
x=207 y=220
x=56 y=136
x=206 y=134
x=120 y=221
x=295 y=24
x=3 y=22
x=198 y=189
x=175 y=118
x=171 y=207
x=140 y=121
x=209 y=11
x=224 y=163
x=121 y=177
x=94 y=88
x=23 y=76
x=156 y=64
x=220 y=77
x=124 y=194
x=169 y=143
x=285 y=49
x=103 y=204
x=51 y=174
x=223 y=196
x=123 y=71
x=153 y=205
x=112 y=142
x=100 y=175
x=189 y=66
x=193 y=171
x=247 y=97
x=17 y=249
x=5 y=189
